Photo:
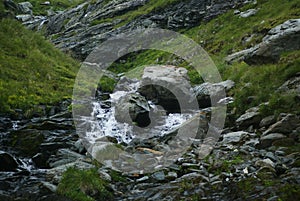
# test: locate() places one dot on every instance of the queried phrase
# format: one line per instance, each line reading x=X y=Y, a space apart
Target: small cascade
x=105 y=124
x=26 y=164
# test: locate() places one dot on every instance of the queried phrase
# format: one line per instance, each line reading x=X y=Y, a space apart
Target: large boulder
x=283 y=37
x=132 y=108
x=167 y=86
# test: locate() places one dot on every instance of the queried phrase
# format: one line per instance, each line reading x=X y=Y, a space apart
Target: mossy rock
x=26 y=142
x=84 y=185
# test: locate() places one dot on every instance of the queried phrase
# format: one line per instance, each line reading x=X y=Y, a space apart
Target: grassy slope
x=32 y=71
x=224 y=35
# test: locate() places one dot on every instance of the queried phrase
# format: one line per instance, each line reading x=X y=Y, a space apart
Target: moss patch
x=81 y=185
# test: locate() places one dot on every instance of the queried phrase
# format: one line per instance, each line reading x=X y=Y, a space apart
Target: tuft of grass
x=32 y=71
x=84 y=185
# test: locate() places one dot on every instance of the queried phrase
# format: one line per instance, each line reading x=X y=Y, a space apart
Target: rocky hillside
x=255 y=46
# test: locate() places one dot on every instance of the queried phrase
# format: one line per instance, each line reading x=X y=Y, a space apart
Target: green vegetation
x=84 y=185
x=226 y=34
x=32 y=71
x=285 y=192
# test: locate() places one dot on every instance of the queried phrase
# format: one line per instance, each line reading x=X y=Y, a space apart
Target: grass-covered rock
x=80 y=185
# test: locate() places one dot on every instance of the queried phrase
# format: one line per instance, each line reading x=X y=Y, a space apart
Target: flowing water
x=105 y=124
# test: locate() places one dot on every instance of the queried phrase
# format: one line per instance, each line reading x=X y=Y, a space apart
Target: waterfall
x=105 y=124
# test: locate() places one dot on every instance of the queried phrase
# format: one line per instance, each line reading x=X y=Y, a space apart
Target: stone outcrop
x=167 y=86
x=283 y=37
x=82 y=28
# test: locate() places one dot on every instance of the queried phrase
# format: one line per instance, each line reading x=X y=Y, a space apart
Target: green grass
x=32 y=71
x=84 y=185
x=225 y=35
x=51 y=73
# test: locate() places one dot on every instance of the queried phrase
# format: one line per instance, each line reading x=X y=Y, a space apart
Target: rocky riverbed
x=256 y=158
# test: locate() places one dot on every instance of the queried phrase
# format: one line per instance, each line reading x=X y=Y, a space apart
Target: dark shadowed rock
x=267 y=140
x=286 y=125
x=291 y=86
x=267 y=121
x=7 y=162
x=27 y=142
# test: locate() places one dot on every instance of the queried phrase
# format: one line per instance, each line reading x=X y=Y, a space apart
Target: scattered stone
x=159 y=176
x=49 y=186
x=271 y=156
x=104 y=175
x=265 y=162
x=172 y=175
x=235 y=137
x=267 y=140
x=80 y=146
x=251 y=117
x=63 y=157
x=142 y=179
x=248 y=13
x=24 y=17
x=46 y=3
x=286 y=125
x=267 y=121
x=25 y=7
x=291 y=86
x=7 y=162
x=205 y=91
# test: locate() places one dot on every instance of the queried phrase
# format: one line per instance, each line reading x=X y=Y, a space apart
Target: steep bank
x=34 y=74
